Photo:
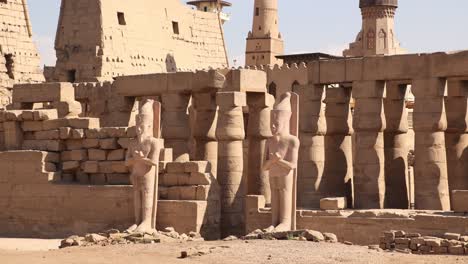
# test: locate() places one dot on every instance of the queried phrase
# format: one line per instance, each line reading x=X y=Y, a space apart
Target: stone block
x=74 y=144
x=244 y=80
x=404 y=241
x=175 y=167
x=45 y=145
x=26 y=116
x=197 y=178
x=64 y=132
x=50 y=167
x=32 y=126
x=77 y=133
x=42 y=115
x=45 y=135
x=187 y=193
x=123 y=142
x=197 y=166
x=70 y=165
x=98 y=178
x=335 y=203
x=118 y=179
x=82 y=178
x=203 y=81
x=13 y=135
x=109 y=167
x=90 y=166
x=86 y=123
x=433 y=242
x=43 y=92
x=173 y=193
x=452 y=236
x=141 y=85
x=440 y=250
x=89 y=143
x=54 y=124
x=169 y=179
x=456 y=250
x=97 y=154
x=115 y=155
x=115 y=132
x=74 y=155
x=231 y=99
x=459 y=201
x=108 y=143
x=202 y=193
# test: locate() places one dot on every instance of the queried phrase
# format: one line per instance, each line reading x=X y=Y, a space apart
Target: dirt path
x=232 y=252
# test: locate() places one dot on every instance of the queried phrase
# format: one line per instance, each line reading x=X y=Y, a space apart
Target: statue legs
x=281 y=196
x=144 y=198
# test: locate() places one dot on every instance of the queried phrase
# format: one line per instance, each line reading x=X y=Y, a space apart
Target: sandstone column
x=230 y=134
x=457 y=134
x=430 y=122
x=204 y=130
x=258 y=131
x=176 y=125
x=396 y=147
x=338 y=175
x=369 y=124
x=312 y=150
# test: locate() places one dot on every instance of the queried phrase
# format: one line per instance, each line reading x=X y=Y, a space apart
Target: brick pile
x=451 y=243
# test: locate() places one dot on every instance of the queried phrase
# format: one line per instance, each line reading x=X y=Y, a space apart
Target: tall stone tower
x=19 y=58
x=264 y=41
x=377 y=36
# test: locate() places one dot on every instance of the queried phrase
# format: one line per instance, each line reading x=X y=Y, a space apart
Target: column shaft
x=312 y=151
x=338 y=174
x=258 y=131
x=430 y=122
x=204 y=128
x=230 y=134
x=396 y=147
x=369 y=124
x=457 y=134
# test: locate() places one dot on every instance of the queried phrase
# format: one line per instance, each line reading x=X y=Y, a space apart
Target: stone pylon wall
x=99 y=40
x=19 y=60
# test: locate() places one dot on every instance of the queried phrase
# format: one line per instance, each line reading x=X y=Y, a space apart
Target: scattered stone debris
x=114 y=237
x=402 y=242
x=301 y=235
x=199 y=251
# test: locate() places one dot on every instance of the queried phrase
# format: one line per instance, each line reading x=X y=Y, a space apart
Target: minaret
x=264 y=41
x=377 y=36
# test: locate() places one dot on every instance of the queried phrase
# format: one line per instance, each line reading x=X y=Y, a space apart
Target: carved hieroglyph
x=282 y=155
x=143 y=158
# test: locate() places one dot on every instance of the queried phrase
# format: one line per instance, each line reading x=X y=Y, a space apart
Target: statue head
x=144 y=119
x=281 y=115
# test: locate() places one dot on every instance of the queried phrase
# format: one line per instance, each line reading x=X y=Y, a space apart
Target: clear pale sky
x=310 y=25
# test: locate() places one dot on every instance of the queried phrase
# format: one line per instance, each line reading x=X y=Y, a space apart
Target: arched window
x=272 y=89
x=383 y=39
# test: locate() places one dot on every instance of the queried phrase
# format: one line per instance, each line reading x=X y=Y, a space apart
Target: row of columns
x=379 y=174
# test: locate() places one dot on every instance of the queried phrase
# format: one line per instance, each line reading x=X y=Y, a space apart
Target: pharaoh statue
x=282 y=151
x=143 y=159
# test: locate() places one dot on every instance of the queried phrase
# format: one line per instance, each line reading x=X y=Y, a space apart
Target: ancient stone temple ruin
x=114 y=39
x=69 y=149
x=19 y=60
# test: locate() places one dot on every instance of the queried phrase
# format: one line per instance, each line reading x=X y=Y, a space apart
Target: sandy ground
x=232 y=252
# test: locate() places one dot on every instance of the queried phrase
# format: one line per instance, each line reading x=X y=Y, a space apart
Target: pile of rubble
x=401 y=241
x=302 y=235
x=115 y=237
